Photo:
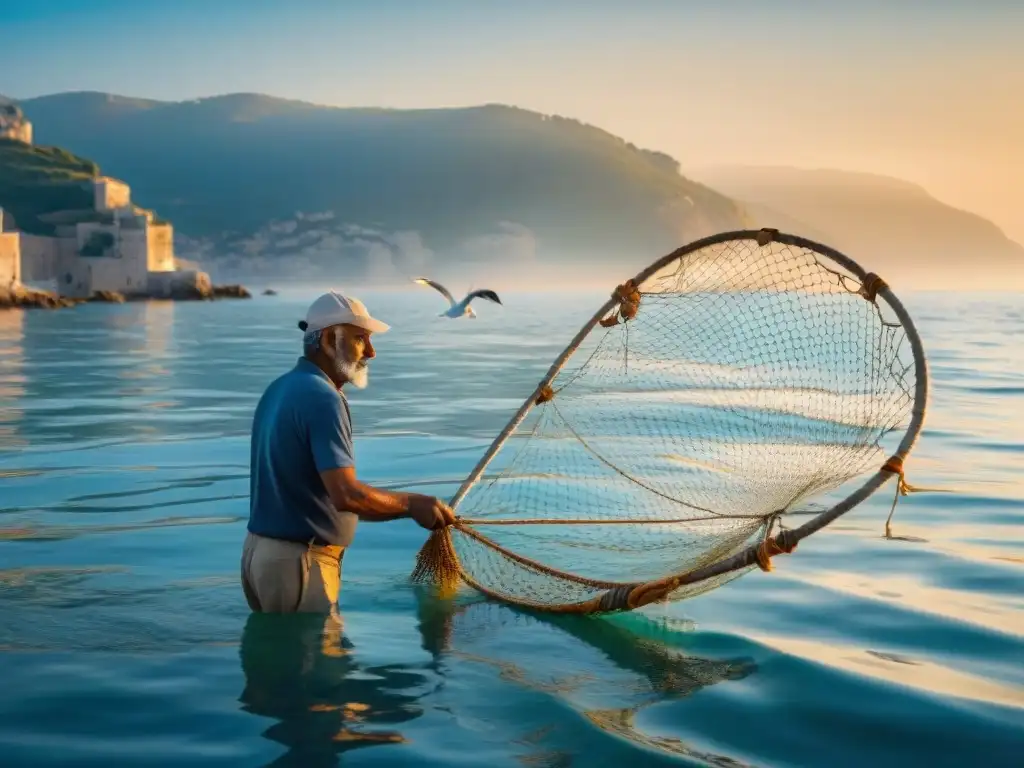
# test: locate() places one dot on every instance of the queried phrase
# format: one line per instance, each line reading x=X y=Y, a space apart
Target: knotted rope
x=628 y=297
x=903 y=488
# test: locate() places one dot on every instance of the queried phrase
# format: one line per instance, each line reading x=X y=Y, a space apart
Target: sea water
x=125 y=639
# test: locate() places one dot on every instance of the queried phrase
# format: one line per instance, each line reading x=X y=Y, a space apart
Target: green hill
x=37 y=180
x=410 y=189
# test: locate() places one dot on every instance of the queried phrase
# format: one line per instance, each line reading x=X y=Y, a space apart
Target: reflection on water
x=300 y=672
x=909 y=593
x=157 y=322
x=304 y=673
x=12 y=378
x=890 y=667
x=620 y=665
x=145 y=338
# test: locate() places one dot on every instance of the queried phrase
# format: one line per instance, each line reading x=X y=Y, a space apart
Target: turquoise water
x=125 y=639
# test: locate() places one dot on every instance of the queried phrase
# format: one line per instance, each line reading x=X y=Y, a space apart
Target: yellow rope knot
x=628 y=291
x=546 y=393
x=628 y=309
x=769 y=548
x=895 y=466
x=651 y=593
x=628 y=296
x=871 y=286
x=903 y=488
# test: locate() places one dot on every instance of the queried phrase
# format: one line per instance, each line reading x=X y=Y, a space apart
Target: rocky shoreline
x=21 y=297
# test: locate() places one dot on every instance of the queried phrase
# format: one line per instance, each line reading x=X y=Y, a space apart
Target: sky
x=931 y=91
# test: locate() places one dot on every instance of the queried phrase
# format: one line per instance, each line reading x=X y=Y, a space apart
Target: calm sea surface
x=125 y=640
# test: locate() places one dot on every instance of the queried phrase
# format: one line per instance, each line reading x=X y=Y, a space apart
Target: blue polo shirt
x=302 y=426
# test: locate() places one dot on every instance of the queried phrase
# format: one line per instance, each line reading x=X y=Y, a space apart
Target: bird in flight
x=458 y=309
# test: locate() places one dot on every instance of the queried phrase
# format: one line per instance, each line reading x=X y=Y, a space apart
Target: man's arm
x=330 y=433
x=350 y=494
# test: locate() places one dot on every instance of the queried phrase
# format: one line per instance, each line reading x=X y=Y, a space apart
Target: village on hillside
x=110 y=251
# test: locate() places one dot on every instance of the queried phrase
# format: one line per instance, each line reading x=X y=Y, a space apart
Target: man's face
x=353 y=350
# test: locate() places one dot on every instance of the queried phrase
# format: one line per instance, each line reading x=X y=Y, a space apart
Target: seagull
x=462 y=307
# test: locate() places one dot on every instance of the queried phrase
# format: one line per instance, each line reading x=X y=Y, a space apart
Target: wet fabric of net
x=752 y=382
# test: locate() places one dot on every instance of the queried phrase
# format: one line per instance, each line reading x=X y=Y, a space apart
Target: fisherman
x=305 y=498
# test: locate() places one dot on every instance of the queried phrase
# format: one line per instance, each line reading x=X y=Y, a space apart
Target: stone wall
x=106 y=258
x=184 y=283
x=124 y=265
x=160 y=257
x=10 y=259
x=103 y=273
x=43 y=258
x=111 y=194
x=87 y=232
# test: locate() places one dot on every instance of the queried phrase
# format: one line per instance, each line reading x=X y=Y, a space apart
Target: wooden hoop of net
x=741 y=380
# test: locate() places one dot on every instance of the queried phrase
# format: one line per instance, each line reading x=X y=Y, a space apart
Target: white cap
x=334 y=309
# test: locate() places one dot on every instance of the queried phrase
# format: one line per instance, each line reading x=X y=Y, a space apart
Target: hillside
x=36 y=180
x=383 y=192
x=891 y=226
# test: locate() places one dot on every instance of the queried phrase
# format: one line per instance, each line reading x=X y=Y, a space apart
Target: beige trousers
x=288 y=577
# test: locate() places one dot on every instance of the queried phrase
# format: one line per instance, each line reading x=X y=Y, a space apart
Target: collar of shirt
x=305 y=364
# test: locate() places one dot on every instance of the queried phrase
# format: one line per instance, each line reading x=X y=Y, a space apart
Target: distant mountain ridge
x=259 y=184
x=889 y=225
x=385 y=192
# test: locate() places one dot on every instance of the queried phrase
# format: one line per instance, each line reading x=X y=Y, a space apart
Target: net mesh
x=739 y=384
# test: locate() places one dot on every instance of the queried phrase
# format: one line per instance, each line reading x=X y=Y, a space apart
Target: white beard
x=357 y=374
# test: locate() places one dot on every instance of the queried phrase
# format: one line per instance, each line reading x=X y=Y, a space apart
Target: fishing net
x=741 y=382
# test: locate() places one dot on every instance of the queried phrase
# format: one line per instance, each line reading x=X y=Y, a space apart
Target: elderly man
x=305 y=499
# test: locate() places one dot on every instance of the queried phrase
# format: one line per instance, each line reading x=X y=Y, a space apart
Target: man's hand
x=430 y=513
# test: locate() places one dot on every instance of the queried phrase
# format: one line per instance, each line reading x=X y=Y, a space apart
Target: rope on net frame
x=789 y=278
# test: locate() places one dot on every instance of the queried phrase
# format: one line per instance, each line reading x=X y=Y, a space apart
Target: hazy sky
x=927 y=90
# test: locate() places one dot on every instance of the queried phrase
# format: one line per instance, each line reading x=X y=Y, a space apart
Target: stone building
x=115 y=246
x=112 y=246
x=13 y=124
